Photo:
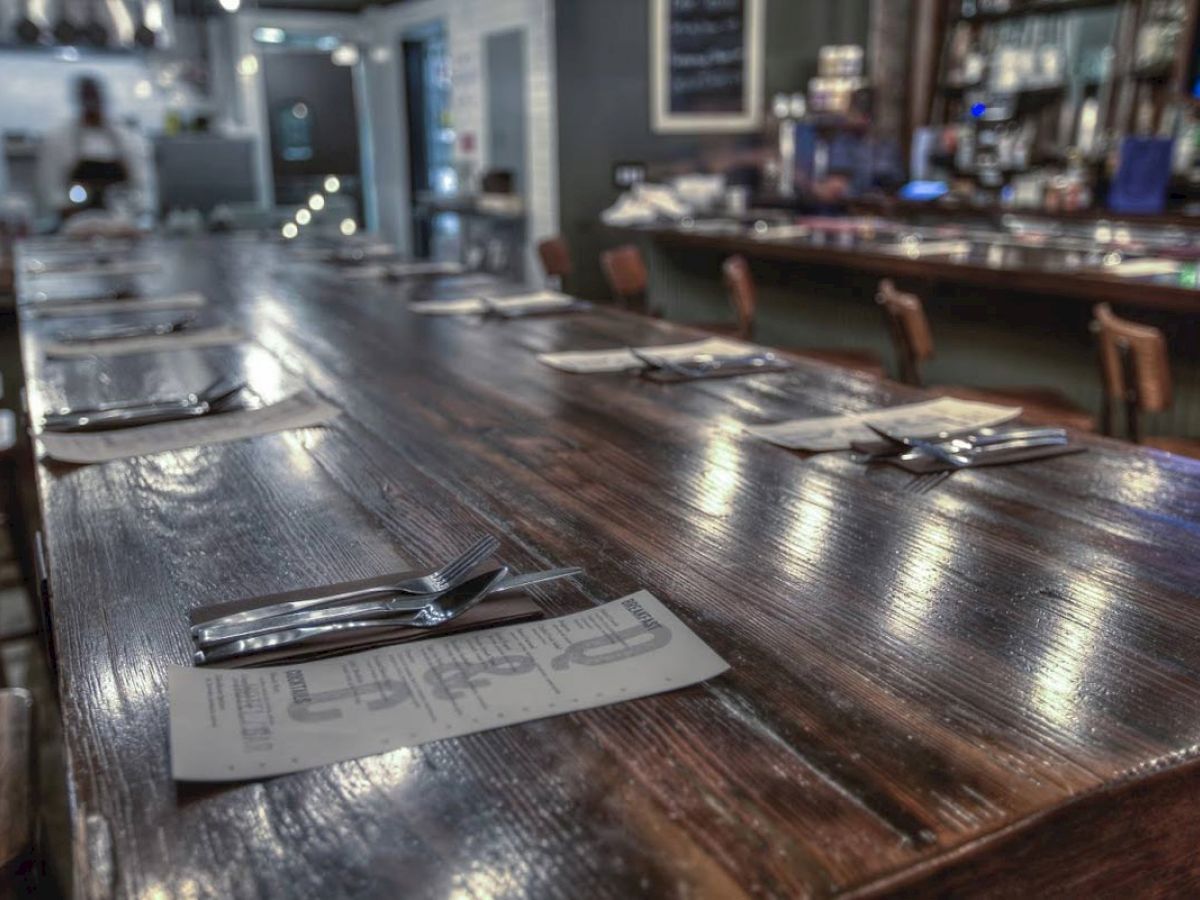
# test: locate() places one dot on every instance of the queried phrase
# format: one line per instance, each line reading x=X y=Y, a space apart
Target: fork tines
x=923 y=484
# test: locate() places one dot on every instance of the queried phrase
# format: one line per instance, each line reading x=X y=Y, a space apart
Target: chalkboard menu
x=707 y=64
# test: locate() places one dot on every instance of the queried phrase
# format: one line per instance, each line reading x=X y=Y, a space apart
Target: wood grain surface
x=986 y=689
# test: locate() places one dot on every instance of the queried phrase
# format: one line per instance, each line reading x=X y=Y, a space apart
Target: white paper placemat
x=217 y=336
x=914 y=419
x=297 y=411
x=61 y=308
x=233 y=724
x=539 y=301
x=619 y=359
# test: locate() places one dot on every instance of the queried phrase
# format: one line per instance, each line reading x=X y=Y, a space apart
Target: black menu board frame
x=706 y=63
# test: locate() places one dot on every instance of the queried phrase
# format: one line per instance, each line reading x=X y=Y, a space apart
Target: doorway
x=431 y=172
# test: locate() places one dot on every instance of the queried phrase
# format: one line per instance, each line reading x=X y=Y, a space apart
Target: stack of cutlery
x=218 y=397
x=395 y=607
x=949 y=452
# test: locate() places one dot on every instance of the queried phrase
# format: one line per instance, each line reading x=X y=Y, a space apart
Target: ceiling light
x=230 y=5
x=345 y=55
x=270 y=35
x=248 y=65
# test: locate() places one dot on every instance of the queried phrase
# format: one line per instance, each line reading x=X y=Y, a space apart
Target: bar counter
x=1073 y=265
x=994 y=686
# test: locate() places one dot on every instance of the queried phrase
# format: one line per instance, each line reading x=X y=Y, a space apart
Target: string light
x=290 y=230
x=348 y=227
x=332 y=185
x=316 y=202
x=303 y=217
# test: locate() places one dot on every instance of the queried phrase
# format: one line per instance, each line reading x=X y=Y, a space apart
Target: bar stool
x=743 y=297
x=556 y=260
x=625 y=271
x=17 y=824
x=1135 y=371
x=913 y=340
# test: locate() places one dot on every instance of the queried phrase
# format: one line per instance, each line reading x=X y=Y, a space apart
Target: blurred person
x=858 y=160
x=92 y=163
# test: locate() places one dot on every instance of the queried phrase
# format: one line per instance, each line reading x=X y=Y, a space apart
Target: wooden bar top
x=1076 y=268
x=991 y=688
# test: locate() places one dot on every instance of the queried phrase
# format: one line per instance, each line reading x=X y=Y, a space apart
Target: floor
x=23 y=664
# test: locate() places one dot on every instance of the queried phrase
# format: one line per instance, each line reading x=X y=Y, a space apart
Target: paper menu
x=233 y=724
x=64 y=308
x=217 y=336
x=535 y=302
x=403 y=270
x=117 y=267
x=620 y=358
x=928 y=418
x=301 y=410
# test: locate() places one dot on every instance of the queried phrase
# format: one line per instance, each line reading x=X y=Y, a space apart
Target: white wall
x=37 y=90
x=467 y=24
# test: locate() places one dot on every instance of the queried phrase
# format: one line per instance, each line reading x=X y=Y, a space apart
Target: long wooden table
x=990 y=688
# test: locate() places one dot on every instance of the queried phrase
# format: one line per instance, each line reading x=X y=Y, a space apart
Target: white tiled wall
x=467 y=24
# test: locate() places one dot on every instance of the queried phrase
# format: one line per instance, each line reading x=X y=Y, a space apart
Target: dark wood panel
x=925 y=690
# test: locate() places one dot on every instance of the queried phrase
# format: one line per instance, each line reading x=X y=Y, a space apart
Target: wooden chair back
x=739 y=284
x=1135 y=368
x=556 y=258
x=909 y=328
x=626 y=273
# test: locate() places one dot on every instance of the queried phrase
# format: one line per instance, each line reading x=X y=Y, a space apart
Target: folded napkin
x=923 y=464
x=502 y=610
x=297 y=411
x=44 y=309
x=516 y=305
x=621 y=359
x=217 y=336
x=926 y=419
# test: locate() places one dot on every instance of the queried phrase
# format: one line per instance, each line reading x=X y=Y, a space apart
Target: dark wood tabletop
x=990 y=688
x=1077 y=275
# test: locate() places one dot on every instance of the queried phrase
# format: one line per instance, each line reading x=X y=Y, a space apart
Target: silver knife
x=961 y=460
x=123 y=332
x=220 y=631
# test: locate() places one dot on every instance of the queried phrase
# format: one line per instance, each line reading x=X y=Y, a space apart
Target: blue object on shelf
x=1140 y=185
x=924 y=190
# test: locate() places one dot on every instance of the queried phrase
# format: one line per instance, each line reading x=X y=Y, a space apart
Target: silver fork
x=923 y=484
x=463 y=598
x=659 y=363
x=435 y=582
x=387 y=609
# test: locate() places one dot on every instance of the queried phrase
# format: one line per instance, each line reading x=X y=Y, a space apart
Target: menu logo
x=640 y=613
x=298 y=686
